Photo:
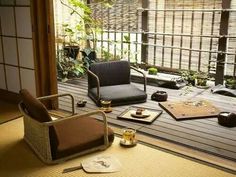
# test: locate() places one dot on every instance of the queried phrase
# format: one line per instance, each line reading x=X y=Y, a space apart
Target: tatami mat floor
x=18 y=160
x=8 y=111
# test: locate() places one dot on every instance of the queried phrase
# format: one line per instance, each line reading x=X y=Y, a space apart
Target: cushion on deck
x=78 y=135
x=120 y=94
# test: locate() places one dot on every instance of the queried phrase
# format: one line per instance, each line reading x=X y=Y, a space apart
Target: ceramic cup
x=106 y=105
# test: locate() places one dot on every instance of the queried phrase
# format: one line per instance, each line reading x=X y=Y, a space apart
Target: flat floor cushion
x=120 y=94
x=78 y=135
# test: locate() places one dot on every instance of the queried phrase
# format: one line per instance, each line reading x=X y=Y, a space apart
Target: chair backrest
x=36 y=110
x=110 y=73
x=34 y=107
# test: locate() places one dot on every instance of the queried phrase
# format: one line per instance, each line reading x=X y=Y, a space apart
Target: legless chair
x=111 y=81
x=58 y=140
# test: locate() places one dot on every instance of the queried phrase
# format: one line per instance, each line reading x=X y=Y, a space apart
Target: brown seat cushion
x=78 y=135
x=34 y=107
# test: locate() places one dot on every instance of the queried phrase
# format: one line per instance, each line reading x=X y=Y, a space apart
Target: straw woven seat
x=58 y=140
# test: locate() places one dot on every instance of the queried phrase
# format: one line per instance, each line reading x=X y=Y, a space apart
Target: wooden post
x=44 y=49
x=222 y=44
x=144 y=48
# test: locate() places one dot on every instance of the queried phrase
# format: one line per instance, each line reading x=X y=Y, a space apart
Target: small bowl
x=159 y=96
x=227 y=119
x=81 y=103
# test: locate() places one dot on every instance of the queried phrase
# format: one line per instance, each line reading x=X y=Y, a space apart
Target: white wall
x=16 y=47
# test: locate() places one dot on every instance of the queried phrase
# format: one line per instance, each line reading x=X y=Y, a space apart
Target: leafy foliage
x=189 y=76
x=68 y=68
x=87 y=26
x=89 y=57
x=152 y=71
x=230 y=83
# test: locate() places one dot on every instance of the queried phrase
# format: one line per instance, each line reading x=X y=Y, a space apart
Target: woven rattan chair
x=111 y=81
x=57 y=140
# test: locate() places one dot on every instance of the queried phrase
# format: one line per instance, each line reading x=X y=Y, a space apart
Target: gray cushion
x=110 y=73
x=120 y=94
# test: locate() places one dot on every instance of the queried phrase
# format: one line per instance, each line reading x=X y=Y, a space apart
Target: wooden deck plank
x=197 y=136
x=190 y=143
x=202 y=134
x=151 y=104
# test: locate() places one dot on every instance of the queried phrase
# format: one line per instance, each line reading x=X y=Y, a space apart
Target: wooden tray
x=148 y=119
x=194 y=109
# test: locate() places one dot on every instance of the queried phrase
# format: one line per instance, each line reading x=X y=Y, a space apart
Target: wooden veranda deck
x=202 y=134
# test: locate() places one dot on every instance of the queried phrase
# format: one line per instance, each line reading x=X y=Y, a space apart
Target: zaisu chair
x=57 y=140
x=111 y=81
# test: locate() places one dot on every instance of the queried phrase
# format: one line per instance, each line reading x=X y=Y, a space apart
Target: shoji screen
x=17 y=68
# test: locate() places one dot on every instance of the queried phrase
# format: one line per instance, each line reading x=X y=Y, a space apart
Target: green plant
x=189 y=76
x=124 y=53
x=230 y=83
x=68 y=68
x=81 y=33
x=201 y=78
x=89 y=57
x=152 y=71
x=69 y=34
x=107 y=56
x=86 y=27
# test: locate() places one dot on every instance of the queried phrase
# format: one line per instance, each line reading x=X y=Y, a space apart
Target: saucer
x=140 y=115
x=106 y=110
x=143 y=115
x=128 y=143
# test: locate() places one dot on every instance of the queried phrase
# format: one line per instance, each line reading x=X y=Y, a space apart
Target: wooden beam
x=144 y=48
x=222 y=43
x=44 y=47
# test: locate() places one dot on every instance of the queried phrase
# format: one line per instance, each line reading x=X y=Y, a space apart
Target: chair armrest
x=144 y=77
x=97 y=83
x=77 y=116
x=60 y=95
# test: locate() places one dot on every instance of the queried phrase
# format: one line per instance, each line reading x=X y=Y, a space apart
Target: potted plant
x=189 y=76
x=70 y=44
x=68 y=68
x=201 y=79
x=86 y=27
x=152 y=71
x=89 y=57
x=230 y=83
